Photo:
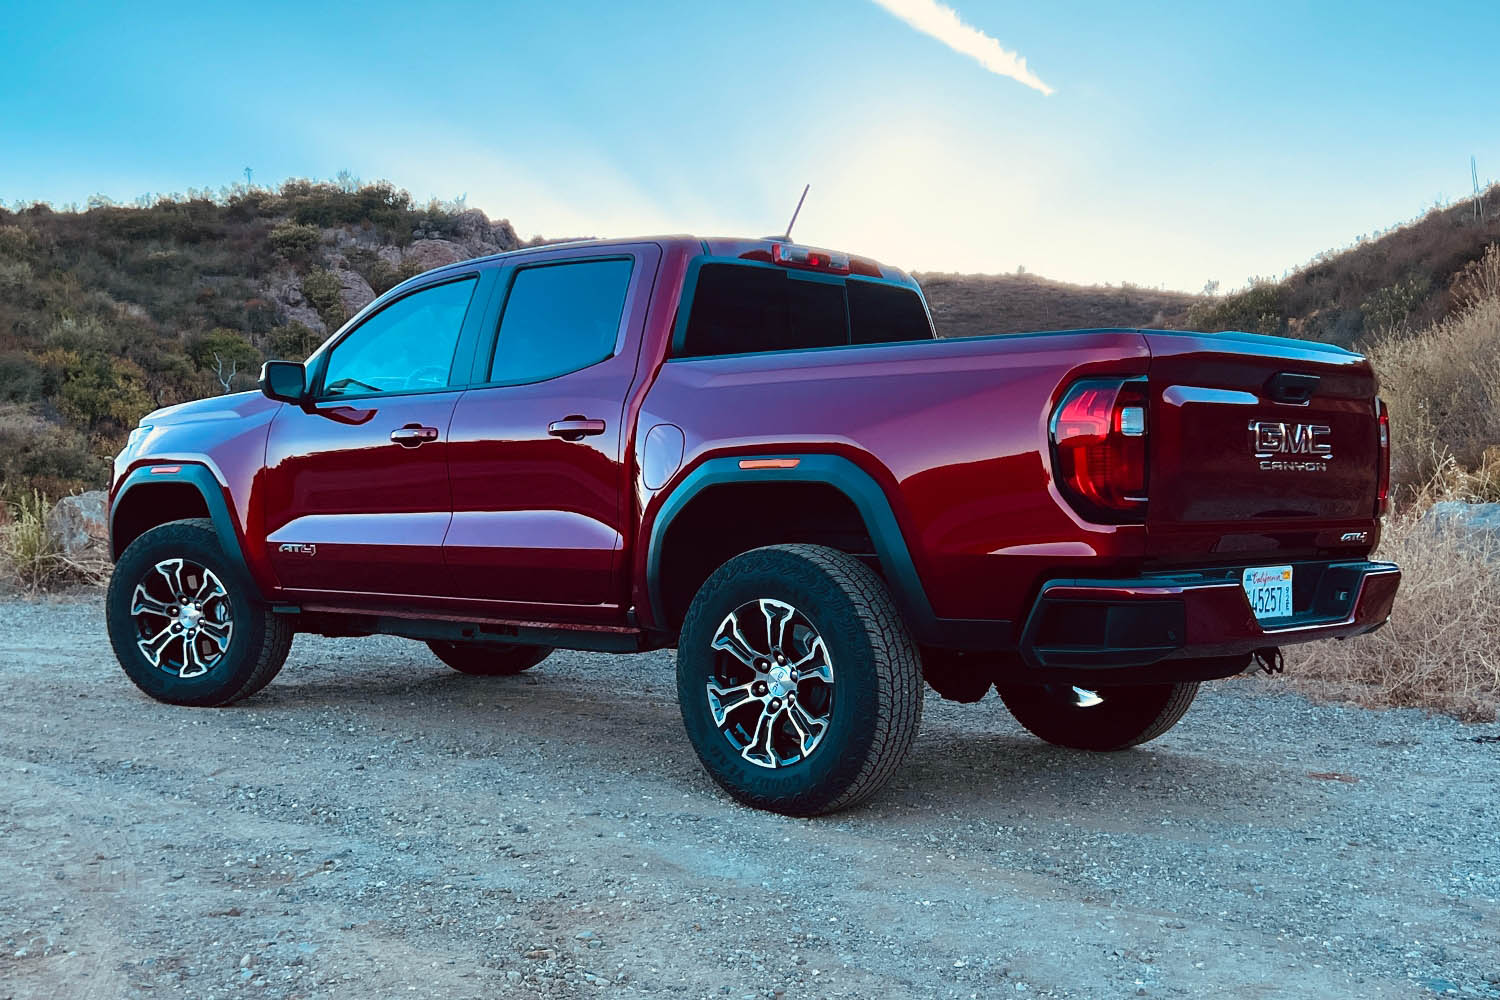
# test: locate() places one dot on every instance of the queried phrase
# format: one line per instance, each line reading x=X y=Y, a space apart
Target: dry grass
x=1443 y=383
x=1439 y=650
x=29 y=554
x=27 y=551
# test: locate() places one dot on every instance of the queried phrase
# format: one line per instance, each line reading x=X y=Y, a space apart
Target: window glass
x=406 y=347
x=884 y=314
x=560 y=318
x=738 y=309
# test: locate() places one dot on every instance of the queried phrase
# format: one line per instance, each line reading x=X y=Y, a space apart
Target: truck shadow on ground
x=969 y=758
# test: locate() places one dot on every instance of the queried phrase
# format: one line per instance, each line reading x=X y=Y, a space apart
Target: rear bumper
x=1088 y=626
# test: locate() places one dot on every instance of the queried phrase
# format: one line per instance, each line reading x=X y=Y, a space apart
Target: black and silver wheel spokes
x=771 y=693
x=182 y=617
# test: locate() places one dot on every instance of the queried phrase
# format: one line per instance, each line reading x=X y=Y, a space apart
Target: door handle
x=575 y=427
x=413 y=435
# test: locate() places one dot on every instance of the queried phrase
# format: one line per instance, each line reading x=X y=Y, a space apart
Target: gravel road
x=377 y=825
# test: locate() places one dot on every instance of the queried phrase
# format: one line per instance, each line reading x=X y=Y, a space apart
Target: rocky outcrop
x=285 y=289
x=481 y=237
x=426 y=254
x=354 y=291
x=79 y=525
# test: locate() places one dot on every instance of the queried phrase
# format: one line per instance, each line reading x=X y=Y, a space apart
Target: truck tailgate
x=1260 y=446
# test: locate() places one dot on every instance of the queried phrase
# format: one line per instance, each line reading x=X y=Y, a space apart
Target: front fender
x=201 y=478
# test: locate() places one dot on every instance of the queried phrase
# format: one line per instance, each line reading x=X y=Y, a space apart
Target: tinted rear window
x=885 y=314
x=739 y=309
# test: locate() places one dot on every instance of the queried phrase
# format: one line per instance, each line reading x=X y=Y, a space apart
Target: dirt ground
x=376 y=825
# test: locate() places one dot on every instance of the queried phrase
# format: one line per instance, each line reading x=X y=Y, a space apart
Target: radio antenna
x=795 y=212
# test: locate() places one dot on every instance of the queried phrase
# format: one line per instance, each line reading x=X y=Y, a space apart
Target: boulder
x=354 y=291
x=1481 y=521
x=428 y=254
x=80 y=526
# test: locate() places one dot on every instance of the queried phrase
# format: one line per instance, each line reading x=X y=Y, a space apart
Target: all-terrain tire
x=1127 y=717
x=257 y=643
x=872 y=707
x=489 y=659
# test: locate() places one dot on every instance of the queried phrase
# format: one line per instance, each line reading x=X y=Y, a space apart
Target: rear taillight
x=1099 y=447
x=1383 y=487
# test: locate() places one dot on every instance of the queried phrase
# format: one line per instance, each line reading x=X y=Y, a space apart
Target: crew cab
x=760 y=454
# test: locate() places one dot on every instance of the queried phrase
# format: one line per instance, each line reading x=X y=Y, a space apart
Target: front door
x=357 y=497
x=535 y=455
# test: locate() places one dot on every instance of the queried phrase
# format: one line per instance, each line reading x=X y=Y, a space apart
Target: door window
x=406 y=347
x=560 y=318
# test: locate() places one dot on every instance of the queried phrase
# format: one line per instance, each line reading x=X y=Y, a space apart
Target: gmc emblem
x=1272 y=438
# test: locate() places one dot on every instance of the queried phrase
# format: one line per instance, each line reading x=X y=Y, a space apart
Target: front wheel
x=183 y=622
x=800 y=689
x=1112 y=718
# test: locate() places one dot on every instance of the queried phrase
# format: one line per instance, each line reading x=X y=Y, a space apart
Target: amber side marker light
x=770 y=463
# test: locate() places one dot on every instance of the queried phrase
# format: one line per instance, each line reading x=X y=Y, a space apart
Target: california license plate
x=1269 y=589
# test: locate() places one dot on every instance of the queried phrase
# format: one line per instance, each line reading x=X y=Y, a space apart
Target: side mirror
x=284 y=380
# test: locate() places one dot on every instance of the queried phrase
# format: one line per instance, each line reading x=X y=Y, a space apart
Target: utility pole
x=1478 y=199
x=249 y=172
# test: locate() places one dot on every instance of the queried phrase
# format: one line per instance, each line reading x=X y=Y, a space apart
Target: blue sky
x=1180 y=144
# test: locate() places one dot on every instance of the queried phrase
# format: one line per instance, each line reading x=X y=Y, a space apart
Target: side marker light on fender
x=770 y=463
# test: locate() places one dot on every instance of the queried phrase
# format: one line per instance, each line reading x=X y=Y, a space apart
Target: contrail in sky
x=943 y=23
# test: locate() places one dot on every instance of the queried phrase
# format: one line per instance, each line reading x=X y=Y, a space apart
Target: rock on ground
x=1480 y=520
x=80 y=526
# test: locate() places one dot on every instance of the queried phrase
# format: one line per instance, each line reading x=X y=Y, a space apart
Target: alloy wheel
x=182 y=617
x=772 y=687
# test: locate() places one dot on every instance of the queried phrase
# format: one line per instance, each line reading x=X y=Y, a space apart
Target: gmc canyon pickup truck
x=759 y=453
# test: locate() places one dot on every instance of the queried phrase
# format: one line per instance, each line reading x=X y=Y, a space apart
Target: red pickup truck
x=758 y=452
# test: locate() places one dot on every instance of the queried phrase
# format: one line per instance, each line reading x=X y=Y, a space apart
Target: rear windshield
x=738 y=309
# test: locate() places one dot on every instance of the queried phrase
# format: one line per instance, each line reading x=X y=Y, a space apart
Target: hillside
x=1399 y=281
x=108 y=313
x=112 y=311
x=964 y=305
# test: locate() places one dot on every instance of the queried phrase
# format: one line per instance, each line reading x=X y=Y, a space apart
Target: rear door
x=537 y=447
x=1260 y=446
x=356 y=482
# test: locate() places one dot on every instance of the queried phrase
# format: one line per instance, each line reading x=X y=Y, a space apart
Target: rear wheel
x=489 y=659
x=800 y=689
x=1111 y=718
x=183 y=622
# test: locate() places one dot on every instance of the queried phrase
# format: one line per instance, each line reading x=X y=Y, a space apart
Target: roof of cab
x=714 y=246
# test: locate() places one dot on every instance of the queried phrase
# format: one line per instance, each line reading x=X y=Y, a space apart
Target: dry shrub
x=1443 y=387
x=1438 y=651
x=28 y=550
x=1478 y=281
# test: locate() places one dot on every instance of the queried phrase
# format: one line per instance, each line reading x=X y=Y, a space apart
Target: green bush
x=294 y=241
x=21 y=378
x=35 y=453
x=231 y=360
x=322 y=291
x=293 y=342
x=1258 y=309
x=1390 y=308
x=102 y=393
